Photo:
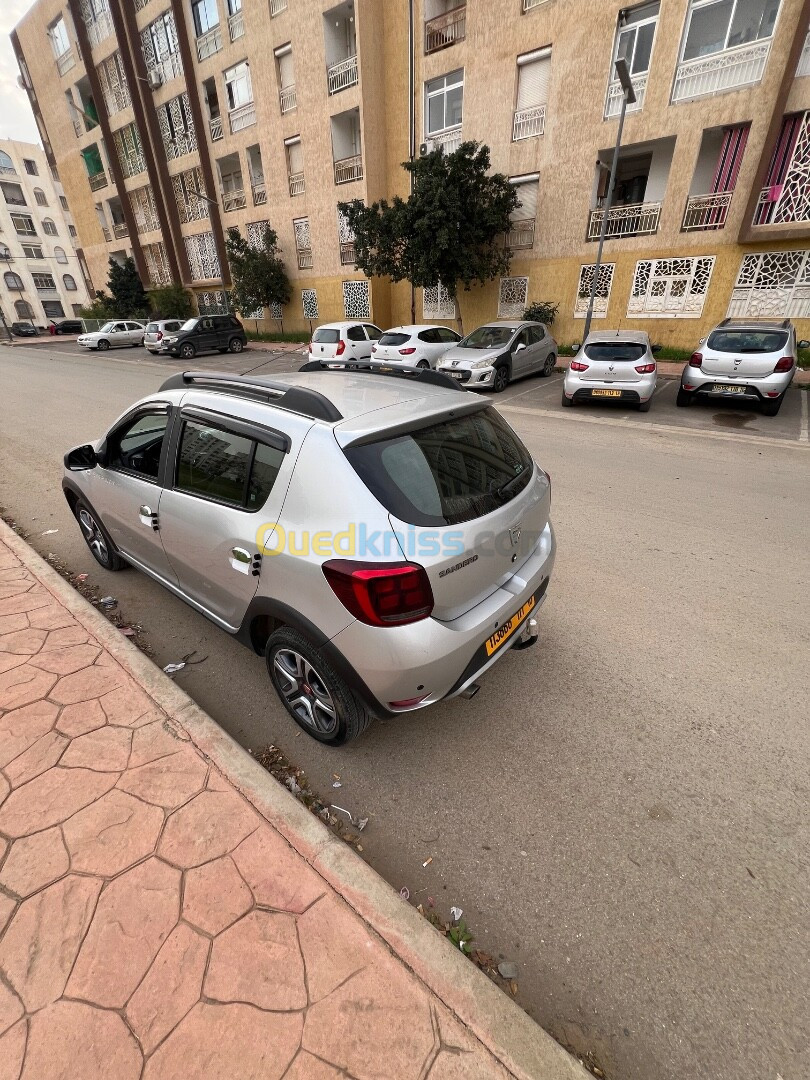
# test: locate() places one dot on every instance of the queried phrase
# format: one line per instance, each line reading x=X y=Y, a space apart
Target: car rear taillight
x=341 y=347
x=381 y=594
x=160 y=335
x=576 y=365
x=407 y=352
x=310 y=346
x=696 y=360
x=373 y=348
x=785 y=363
x=645 y=369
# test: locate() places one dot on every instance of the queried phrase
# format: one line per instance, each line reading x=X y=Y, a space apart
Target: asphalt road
x=623 y=809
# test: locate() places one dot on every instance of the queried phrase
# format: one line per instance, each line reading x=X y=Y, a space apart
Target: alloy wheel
x=94 y=536
x=305 y=692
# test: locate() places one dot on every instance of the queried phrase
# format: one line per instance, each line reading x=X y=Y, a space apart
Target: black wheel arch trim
x=69 y=487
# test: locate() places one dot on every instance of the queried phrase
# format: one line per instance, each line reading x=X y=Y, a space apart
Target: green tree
x=101 y=308
x=171 y=302
x=127 y=295
x=544 y=311
x=257 y=271
x=450 y=228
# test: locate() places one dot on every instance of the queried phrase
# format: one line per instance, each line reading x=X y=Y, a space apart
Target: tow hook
x=529 y=636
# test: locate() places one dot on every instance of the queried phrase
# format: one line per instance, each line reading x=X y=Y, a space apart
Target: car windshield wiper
x=503 y=488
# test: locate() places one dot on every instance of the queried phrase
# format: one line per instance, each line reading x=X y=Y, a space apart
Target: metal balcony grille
x=236 y=25
x=209 y=43
x=448 y=140
x=613 y=105
x=706 y=211
x=216 y=128
x=297 y=185
x=446 y=29
x=65 y=62
x=243 y=117
x=288 y=98
x=528 y=123
x=521 y=235
x=349 y=169
x=233 y=200
x=638 y=219
x=342 y=75
x=724 y=70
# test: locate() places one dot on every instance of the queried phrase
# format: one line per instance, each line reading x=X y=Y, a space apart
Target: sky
x=16 y=118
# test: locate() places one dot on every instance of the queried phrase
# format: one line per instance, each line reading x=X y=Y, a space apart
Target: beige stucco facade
x=672 y=135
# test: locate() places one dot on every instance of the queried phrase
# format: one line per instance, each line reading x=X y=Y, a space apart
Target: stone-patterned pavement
x=152 y=923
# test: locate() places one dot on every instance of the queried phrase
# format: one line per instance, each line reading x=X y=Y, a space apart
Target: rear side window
x=216 y=464
x=326 y=337
x=266 y=464
x=373 y=331
x=394 y=339
x=429 y=336
x=615 y=350
x=450 y=472
x=747 y=341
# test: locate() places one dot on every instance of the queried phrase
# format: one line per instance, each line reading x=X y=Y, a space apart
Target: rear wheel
x=423 y=364
x=235 y=344
x=549 y=366
x=683 y=398
x=103 y=345
x=771 y=406
x=187 y=351
x=97 y=539
x=311 y=691
x=568 y=402
x=501 y=378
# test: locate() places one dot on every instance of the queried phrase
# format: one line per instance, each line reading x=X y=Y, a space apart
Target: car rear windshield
x=152 y=328
x=487 y=337
x=747 y=341
x=327 y=337
x=394 y=339
x=615 y=350
x=453 y=471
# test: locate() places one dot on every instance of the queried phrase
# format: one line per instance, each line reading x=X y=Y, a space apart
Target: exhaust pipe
x=529 y=636
x=471 y=691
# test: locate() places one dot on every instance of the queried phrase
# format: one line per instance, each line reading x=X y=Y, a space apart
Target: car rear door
x=358 y=347
x=118 y=335
x=522 y=362
x=373 y=335
x=134 y=333
x=540 y=346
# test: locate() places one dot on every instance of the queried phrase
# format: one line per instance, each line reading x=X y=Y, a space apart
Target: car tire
x=312 y=692
x=644 y=406
x=771 y=406
x=683 y=398
x=102 y=345
x=501 y=380
x=187 y=351
x=235 y=345
x=97 y=538
x=423 y=364
x=568 y=402
x=549 y=366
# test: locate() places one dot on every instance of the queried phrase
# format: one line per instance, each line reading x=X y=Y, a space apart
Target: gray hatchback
x=493 y=355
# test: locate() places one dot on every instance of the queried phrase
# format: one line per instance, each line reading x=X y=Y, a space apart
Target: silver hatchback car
x=381 y=539
x=745 y=360
x=613 y=365
x=493 y=355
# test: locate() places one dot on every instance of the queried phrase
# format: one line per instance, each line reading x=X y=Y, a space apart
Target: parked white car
x=343 y=344
x=112 y=334
x=156 y=331
x=613 y=365
x=413 y=346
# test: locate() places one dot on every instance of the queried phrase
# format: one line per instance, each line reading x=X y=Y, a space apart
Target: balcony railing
x=183 y=143
x=233 y=200
x=803 y=67
x=259 y=189
x=65 y=62
x=236 y=25
x=305 y=258
x=521 y=235
x=120 y=230
x=613 y=105
x=170 y=67
x=638 y=219
x=297 y=185
x=448 y=140
x=78 y=128
x=348 y=169
x=117 y=99
x=98 y=181
x=342 y=75
x=529 y=4
x=216 y=128
x=706 y=211
x=139 y=4
x=288 y=99
x=724 y=70
x=209 y=43
x=446 y=29
x=766 y=206
x=8 y=170
x=528 y=123
x=100 y=27
x=347 y=255
x=243 y=117
x=276 y=7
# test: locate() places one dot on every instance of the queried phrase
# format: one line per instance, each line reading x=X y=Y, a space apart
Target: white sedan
x=112 y=334
x=420 y=346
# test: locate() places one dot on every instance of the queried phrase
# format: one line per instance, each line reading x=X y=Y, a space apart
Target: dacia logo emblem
x=514 y=533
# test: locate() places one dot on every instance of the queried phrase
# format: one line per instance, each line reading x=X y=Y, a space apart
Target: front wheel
x=103 y=345
x=423 y=364
x=235 y=345
x=683 y=398
x=312 y=692
x=187 y=351
x=97 y=539
x=771 y=406
x=501 y=378
x=549 y=366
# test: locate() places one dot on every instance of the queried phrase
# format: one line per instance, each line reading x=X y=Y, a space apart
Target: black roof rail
x=425 y=375
x=783 y=324
x=297 y=399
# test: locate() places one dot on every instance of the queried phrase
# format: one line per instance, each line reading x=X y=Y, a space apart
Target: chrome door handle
x=240 y=560
x=148 y=517
x=240 y=554
x=145 y=511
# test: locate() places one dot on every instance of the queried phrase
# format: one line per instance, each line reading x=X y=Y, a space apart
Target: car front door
x=134 y=333
x=205 y=335
x=224 y=486
x=359 y=345
x=126 y=488
x=118 y=334
x=521 y=354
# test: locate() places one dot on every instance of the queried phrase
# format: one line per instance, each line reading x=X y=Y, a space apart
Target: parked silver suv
x=749 y=359
x=381 y=539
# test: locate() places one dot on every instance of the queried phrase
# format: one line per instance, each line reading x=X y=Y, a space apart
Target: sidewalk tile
x=37 y=759
x=73 y=1041
x=22 y=727
x=169 y=782
x=53 y=797
x=35 y=861
x=335 y=945
x=11 y=623
x=90 y=682
x=155 y=740
x=112 y=834
x=65 y=660
x=215 y=896
x=106 y=750
x=258 y=960
x=11 y=1008
x=275 y=873
x=12 y=1050
x=126 y=705
x=307 y=1067
x=78 y=719
x=25 y=641
x=24 y=685
x=212 y=824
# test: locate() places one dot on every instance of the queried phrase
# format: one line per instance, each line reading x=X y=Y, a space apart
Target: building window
x=303 y=243
x=49 y=227
x=157 y=265
x=129 y=150
x=254 y=233
x=345 y=240
x=43 y=282
x=63 y=202
x=72 y=231
x=213 y=303
x=33 y=251
x=177 y=127
x=534 y=73
x=602 y=294
x=6 y=164
x=786 y=195
x=13 y=281
x=23 y=224
x=238 y=87
x=142 y=201
x=23 y=309
x=53 y=309
x=205 y=15
x=285 y=72
x=295 y=166
x=30 y=167
x=356 y=300
x=522 y=219
x=444 y=102
x=161 y=49
x=188 y=189
x=202 y=257
x=437 y=303
x=512 y=297
x=41 y=197
x=772 y=284
x=114 y=85
x=13 y=194
x=60 y=42
x=670 y=288
x=69 y=282
x=309 y=302
x=634 y=43
x=96 y=17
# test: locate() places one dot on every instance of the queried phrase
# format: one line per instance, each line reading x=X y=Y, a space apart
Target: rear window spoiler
x=473 y=404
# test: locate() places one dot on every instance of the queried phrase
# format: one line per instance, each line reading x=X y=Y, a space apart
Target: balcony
x=182 y=144
x=65 y=62
x=276 y=7
x=236 y=25
x=615 y=94
x=347 y=254
x=288 y=99
x=209 y=43
x=243 y=117
x=233 y=200
x=342 y=75
x=766 y=208
x=98 y=181
x=349 y=169
x=259 y=190
x=78 y=129
x=8 y=170
x=521 y=235
x=305 y=258
x=448 y=141
x=297 y=184
x=740 y=66
x=100 y=27
x=120 y=230
x=527 y=123
x=215 y=123
x=706 y=211
x=446 y=29
x=638 y=219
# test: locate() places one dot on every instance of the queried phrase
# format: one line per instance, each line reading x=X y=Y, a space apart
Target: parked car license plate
x=724 y=388
x=606 y=393
x=509 y=627
x=455 y=374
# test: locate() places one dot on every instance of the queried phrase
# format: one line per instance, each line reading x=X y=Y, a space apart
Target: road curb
x=510 y=1035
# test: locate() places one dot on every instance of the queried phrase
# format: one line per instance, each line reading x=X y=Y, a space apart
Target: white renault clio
x=613 y=365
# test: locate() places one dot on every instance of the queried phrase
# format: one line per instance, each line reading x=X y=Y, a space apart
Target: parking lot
x=621 y=810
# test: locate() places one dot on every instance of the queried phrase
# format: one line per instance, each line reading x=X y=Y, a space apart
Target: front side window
x=136 y=446
x=373 y=332
x=715 y=25
x=444 y=101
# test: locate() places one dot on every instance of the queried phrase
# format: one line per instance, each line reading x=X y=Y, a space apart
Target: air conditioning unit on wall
x=155 y=79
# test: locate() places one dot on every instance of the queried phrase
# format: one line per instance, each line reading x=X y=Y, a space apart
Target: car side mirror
x=519 y=346
x=81 y=458
x=656 y=348
x=804 y=344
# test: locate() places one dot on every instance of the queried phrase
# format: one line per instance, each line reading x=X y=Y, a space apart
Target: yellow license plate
x=606 y=393
x=509 y=627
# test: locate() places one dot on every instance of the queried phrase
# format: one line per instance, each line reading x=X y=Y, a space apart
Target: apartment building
x=171 y=121
x=42 y=276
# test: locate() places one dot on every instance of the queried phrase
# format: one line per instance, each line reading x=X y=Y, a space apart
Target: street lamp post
x=628 y=98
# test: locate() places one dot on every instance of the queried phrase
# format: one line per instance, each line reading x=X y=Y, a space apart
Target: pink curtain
x=730 y=158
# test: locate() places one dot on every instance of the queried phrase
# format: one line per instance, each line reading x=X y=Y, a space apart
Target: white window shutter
x=296 y=158
x=533 y=80
x=285 y=70
x=527 y=195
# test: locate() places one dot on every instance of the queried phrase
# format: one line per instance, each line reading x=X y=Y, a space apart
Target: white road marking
x=554 y=380
x=663 y=383
x=804 y=434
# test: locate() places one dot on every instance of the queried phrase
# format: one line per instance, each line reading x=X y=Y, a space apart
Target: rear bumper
x=696 y=381
x=632 y=392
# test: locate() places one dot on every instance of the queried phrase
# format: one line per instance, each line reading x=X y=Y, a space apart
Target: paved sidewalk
x=168 y=911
